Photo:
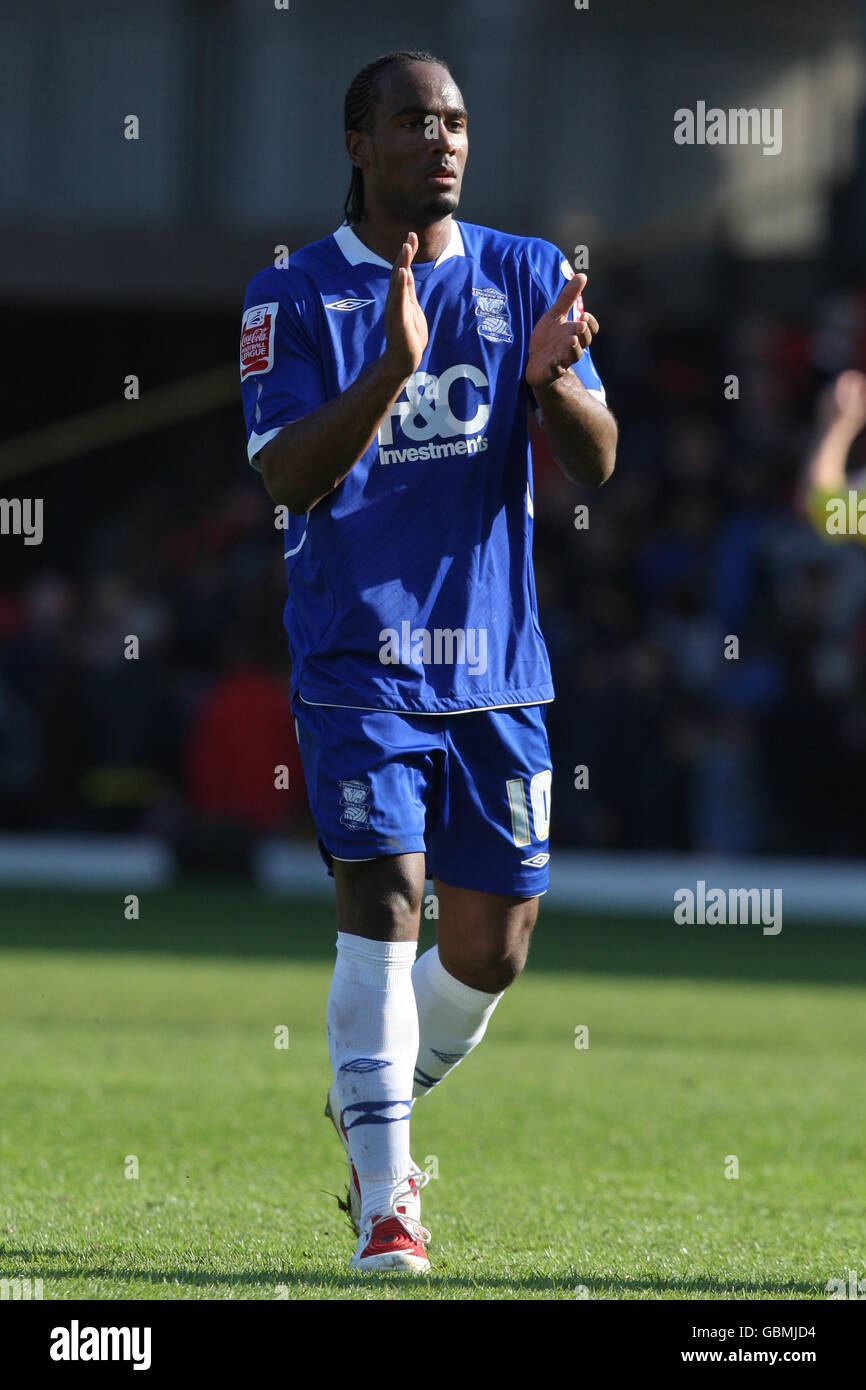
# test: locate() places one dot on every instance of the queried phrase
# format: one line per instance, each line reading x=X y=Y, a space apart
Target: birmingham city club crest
x=355 y=801
x=491 y=310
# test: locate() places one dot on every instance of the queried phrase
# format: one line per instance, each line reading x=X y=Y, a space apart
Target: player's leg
x=487 y=852
x=373 y=1042
x=372 y=1016
x=482 y=946
x=370 y=776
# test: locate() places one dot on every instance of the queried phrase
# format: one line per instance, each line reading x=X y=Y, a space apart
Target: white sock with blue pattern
x=373 y=1043
x=452 y=1019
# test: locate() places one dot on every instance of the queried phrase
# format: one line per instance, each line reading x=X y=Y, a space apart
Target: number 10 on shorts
x=539 y=802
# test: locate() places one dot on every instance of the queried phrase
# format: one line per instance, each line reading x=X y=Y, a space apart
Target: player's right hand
x=405 y=324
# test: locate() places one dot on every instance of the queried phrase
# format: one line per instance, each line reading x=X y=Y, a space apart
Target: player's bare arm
x=311 y=456
x=840 y=416
x=581 y=432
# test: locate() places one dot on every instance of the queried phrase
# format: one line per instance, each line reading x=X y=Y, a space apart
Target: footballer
x=388 y=372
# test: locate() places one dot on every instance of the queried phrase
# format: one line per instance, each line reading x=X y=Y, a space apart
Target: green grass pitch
x=562 y=1172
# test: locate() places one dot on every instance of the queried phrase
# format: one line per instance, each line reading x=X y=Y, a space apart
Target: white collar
x=356 y=252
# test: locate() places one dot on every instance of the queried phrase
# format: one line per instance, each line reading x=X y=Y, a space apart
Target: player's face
x=418 y=145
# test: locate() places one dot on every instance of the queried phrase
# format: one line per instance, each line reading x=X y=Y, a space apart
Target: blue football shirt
x=410 y=586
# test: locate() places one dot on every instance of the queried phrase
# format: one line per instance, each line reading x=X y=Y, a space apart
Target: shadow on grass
x=568 y=1285
x=227 y=919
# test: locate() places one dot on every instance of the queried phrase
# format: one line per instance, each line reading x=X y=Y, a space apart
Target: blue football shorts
x=470 y=790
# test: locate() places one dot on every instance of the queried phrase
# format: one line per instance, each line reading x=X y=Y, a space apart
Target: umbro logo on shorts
x=346 y=304
x=537 y=861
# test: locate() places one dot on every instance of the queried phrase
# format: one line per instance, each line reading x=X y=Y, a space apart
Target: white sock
x=373 y=1043
x=452 y=1019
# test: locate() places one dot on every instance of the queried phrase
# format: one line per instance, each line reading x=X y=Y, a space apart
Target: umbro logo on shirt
x=537 y=861
x=346 y=304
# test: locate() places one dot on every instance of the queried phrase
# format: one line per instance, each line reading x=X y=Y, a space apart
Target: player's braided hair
x=359 y=104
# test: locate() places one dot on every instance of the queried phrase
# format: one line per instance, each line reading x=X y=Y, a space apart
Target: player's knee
x=382 y=897
x=494 y=974
x=505 y=971
x=499 y=959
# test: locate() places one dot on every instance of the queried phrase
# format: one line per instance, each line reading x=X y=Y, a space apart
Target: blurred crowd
x=179 y=733
x=707 y=636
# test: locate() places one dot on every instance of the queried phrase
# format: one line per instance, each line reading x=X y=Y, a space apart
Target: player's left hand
x=558 y=341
